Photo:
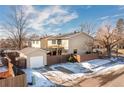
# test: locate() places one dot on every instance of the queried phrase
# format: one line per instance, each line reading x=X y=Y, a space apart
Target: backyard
x=93 y=73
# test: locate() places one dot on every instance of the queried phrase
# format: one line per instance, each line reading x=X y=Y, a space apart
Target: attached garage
x=35 y=57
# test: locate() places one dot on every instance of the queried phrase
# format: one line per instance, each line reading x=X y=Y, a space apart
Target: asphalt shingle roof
x=29 y=50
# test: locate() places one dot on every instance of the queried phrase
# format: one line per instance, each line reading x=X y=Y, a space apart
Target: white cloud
x=57 y=29
x=51 y=15
x=121 y=7
x=29 y=9
x=62 y=18
x=103 y=18
x=118 y=15
x=48 y=19
x=70 y=17
x=2 y=32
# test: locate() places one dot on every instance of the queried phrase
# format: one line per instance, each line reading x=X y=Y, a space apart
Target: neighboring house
x=121 y=44
x=77 y=42
x=39 y=42
x=35 y=57
x=69 y=43
x=36 y=42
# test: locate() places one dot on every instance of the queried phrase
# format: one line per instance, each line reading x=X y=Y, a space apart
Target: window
x=33 y=42
x=37 y=42
x=53 y=41
x=59 y=41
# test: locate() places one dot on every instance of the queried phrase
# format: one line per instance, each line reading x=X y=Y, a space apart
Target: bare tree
x=88 y=28
x=4 y=43
x=120 y=29
x=34 y=36
x=120 y=25
x=108 y=38
x=16 y=24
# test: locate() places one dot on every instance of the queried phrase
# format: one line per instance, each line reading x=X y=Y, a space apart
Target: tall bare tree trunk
x=17 y=25
x=109 y=51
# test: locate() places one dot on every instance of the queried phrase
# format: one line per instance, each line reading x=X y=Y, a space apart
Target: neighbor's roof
x=8 y=50
x=29 y=50
x=36 y=38
x=39 y=38
x=62 y=36
x=68 y=35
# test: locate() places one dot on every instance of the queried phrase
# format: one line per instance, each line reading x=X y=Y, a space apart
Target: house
x=36 y=42
x=76 y=42
x=35 y=57
x=39 y=42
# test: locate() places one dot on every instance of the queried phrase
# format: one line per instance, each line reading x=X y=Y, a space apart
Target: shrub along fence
x=63 y=58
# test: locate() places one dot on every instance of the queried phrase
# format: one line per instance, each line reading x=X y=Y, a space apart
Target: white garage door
x=36 y=62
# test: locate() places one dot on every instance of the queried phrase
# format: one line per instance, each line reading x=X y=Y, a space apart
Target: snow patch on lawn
x=94 y=63
x=83 y=67
x=98 y=66
x=74 y=67
x=39 y=79
x=60 y=77
x=103 y=65
x=111 y=68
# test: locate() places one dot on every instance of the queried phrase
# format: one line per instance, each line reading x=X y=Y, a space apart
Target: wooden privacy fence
x=87 y=57
x=17 y=81
x=57 y=59
x=63 y=58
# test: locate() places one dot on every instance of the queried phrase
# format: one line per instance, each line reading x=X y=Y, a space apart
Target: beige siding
x=79 y=42
x=50 y=43
x=36 y=44
x=65 y=44
x=44 y=43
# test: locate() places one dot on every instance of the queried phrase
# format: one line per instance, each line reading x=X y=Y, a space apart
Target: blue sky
x=63 y=19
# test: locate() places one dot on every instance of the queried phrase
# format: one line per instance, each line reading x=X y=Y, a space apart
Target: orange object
x=77 y=57
x=9 y=72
